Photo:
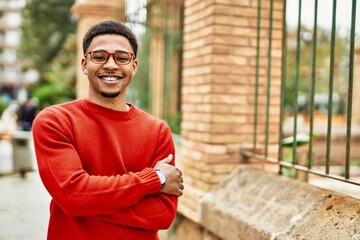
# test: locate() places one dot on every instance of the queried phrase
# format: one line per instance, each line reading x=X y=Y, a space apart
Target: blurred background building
x=13 y=81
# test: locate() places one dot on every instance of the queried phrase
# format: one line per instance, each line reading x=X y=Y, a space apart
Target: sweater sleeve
x=72 y=188
x=155 y=211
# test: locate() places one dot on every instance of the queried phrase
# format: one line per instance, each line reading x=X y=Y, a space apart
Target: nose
x=110 y=63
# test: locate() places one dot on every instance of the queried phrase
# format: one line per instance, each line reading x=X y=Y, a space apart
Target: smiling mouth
x=111 y=79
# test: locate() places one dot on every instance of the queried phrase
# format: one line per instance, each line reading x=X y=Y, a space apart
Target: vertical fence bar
x=312 y=87
x=283 y=83
x=331 y=88
x=257 y=74
x=350 y=91
x=269 y=79
x=297 y=83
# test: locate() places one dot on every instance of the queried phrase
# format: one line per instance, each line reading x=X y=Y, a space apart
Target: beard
x=110 y=94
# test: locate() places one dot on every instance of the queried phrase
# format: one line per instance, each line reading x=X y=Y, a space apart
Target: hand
x=174 y=181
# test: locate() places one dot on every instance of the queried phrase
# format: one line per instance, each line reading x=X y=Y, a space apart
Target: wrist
x=161 y=176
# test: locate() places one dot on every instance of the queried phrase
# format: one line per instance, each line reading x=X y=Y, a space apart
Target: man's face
x=108 y=80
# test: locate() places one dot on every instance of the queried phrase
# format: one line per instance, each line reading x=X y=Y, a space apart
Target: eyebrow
x=118 y=51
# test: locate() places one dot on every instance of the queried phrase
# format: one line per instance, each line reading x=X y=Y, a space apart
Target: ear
x=135 y=66
x=84 y=65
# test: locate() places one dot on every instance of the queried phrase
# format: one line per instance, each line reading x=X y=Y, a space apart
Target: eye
x=123 y=57
x=99 y=56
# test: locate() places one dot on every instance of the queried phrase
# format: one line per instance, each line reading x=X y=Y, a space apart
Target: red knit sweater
x=97 y=164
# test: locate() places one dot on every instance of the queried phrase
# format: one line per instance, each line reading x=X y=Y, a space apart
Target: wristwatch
x=162 y=177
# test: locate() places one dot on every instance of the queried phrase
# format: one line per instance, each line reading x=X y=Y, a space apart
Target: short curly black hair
x=110 y=27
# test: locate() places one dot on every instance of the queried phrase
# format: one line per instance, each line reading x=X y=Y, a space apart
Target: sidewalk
x=24 y=208
x=24 y=203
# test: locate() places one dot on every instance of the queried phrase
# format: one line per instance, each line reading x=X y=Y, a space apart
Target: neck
x=117 y=103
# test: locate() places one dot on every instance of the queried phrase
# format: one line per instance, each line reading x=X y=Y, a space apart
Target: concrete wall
x=252 y=204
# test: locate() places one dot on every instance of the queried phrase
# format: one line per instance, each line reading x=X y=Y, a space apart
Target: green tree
x=59 y=85
x=322 y=63
x=48 y=46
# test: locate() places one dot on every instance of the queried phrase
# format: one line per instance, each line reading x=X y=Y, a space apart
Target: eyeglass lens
x=102 y=57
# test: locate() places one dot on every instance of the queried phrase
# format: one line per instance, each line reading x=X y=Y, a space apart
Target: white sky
x=343 y=12
x=133 y=7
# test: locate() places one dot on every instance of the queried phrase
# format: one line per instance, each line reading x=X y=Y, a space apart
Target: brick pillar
x=90 y=12
x=218 y=91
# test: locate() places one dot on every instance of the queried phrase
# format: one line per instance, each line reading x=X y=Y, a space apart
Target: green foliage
x=288 y=172
x=302 y=139
x=342 y=172
x=60 y=77
x=156 y=25
x=3 y=104
x=139 y=88
x=45 y=27
x=48 y=95
x=174 y=122
x=48 y=43
x=322 y=63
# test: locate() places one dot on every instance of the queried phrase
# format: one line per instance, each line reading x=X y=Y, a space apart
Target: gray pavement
x=24 y=202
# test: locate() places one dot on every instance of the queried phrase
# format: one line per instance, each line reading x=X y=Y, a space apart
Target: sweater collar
x=109 y=113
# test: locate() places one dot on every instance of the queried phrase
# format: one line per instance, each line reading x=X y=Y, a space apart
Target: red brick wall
x=218 y=92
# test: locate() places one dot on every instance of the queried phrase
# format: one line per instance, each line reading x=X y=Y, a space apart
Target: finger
x=180 y=172
x=181 y=187
x=181 y=179
x=167 y=159
x=180 y=193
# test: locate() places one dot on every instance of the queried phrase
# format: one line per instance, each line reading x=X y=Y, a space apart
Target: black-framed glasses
x=102 y=56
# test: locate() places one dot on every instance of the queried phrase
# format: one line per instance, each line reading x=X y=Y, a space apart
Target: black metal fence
x=304 y=43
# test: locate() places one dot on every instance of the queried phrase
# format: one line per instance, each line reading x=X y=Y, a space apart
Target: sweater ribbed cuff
x=150 y=180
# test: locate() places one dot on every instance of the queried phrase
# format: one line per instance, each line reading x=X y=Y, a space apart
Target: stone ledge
x=251 y=204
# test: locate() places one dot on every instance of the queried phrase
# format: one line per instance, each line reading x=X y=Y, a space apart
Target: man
x=26 y=114
x=107 y=164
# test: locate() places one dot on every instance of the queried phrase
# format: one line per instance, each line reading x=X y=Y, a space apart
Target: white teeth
x=110 y=78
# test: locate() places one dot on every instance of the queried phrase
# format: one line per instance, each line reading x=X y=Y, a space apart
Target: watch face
x=161 y=176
